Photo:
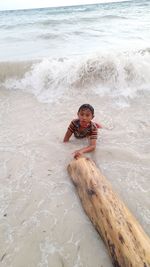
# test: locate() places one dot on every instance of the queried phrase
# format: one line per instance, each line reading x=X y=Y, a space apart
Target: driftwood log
x=127 y=243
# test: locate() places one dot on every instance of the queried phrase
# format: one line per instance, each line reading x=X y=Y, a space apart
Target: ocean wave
x=16 y=25
x=99 y=18
x=113 y=17
x=40 y=23
x=50 y=77
x=145 y=51
x=50 y=36
x=55 y=22
x=14 y=70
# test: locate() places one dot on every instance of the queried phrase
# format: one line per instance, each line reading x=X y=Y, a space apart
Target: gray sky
x=23 y=4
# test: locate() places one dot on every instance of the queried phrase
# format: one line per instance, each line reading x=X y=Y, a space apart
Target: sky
x=23 y=4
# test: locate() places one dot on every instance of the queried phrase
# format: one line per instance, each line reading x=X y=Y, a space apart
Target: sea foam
x=124 y=74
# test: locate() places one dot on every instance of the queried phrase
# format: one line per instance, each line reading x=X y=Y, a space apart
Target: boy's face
x=85 y=116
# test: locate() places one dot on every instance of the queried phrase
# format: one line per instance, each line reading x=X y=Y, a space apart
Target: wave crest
x=51 y=77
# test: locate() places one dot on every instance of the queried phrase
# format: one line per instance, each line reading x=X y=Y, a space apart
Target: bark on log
x=126 y=241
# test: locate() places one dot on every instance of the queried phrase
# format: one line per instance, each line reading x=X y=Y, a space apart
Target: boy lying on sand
x=84 y=127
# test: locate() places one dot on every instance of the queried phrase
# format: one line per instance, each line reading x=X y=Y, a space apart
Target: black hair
x=86 y=106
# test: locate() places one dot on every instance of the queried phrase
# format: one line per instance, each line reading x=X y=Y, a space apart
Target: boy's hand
x=77 y=154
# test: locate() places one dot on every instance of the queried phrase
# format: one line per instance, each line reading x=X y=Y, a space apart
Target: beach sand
x=42 y=222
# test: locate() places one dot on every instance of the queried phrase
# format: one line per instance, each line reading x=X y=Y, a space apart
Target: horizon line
x=59 y=6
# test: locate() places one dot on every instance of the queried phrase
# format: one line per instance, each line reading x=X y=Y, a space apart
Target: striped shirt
x=91 y=131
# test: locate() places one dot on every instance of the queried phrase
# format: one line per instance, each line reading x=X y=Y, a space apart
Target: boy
x=83 y=127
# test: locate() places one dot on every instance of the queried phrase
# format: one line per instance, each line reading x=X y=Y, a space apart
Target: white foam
x=122 y=74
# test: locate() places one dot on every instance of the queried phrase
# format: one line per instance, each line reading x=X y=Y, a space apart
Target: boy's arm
x=67 y=136
x=89 y=148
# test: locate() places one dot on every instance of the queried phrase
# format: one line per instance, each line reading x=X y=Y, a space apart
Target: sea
x=52 y=60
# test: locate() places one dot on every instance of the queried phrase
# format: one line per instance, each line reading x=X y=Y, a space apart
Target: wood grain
x=126 y=241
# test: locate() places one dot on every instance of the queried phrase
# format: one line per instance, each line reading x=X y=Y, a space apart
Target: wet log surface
x=126 y=241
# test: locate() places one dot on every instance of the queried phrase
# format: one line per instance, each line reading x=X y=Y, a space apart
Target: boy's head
x=85 y=114
x=87 y=107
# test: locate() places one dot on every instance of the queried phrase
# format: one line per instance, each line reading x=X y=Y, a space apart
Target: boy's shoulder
x=75 y=121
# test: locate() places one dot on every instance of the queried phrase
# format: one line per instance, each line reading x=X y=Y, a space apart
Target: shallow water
x=70 y=31
x=41 y=215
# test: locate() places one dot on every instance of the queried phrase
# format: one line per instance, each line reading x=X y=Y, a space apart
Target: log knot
x=91 y=191
x=121 y=238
